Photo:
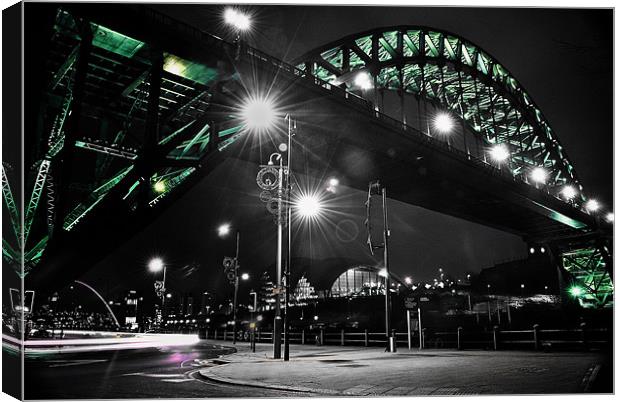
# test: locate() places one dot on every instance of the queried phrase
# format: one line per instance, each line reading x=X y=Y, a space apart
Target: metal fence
x=535 y=338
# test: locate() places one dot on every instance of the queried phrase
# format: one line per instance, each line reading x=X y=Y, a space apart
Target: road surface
x=165 y=372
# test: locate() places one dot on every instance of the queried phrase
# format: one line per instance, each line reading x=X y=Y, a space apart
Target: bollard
x=225 y=334
x=342 y=337
x=536 y=337
x=215 y=334
x=366 y=337
x=459 y=334
x=423 y=338
x=584 y=339
x=322 y=336
x=257 y=336
x=303 y=336
x=495 y=336
x=392 y=348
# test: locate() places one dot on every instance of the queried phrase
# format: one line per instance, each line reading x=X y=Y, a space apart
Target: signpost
x=410 y=303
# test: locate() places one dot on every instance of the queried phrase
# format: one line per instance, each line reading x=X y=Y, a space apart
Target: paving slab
x=372 y=371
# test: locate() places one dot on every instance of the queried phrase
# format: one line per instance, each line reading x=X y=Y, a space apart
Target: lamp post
x=277 y=324
x=252 y=323
x=292 y=125
x=376 y=188
x=156 y=265
x=223 y=230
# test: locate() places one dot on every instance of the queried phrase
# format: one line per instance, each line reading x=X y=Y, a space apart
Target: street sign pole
x=408 y=329
x=420 y=328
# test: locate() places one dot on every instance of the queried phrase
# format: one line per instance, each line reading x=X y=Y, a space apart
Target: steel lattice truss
x=587 y=268
x=116 y=90
x=453 y=73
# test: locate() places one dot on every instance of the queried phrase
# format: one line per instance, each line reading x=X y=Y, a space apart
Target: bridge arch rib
x=452 y=73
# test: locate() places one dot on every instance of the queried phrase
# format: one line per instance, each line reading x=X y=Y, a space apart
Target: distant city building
x=358 y=281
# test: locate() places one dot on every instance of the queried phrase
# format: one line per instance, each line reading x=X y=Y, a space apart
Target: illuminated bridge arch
x=452 y=74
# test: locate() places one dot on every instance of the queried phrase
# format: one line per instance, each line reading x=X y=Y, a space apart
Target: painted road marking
x=176 y=380
x=66 y=363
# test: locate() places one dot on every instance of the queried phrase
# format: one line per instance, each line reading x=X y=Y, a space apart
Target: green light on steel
x=192 y=71
x=159 y=186
x=116 y=42
x=576 y=291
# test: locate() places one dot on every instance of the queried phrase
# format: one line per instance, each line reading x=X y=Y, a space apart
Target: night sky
x=563 y=58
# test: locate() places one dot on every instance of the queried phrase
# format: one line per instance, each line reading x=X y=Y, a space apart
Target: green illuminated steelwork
x=10 y=255
x=176 y=133
x=35 y=197
x=107 y=149
x=95 y=198
x=172 y=183
x=192 y=71
x=454 y=74
x=592 y=285
x=115 y=42
x=9 y=201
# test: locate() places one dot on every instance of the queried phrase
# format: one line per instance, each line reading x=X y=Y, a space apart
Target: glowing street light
x=258 y=113
x=223 y=230
x=159 y=186
x=408 y=280
x=576 y=291
x=443 y=123
x=245 y=276
x=156 y=264
x=237 y=19
x=363 y=80
x=569 y=192
x=609 y=217
x=499 y=153
x=332 y=184
x=592 y=205
x=539 y=175
x=308 y=206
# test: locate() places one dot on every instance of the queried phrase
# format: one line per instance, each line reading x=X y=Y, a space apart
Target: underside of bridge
x=130 y=109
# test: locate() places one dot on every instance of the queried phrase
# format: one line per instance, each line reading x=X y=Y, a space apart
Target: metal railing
x=496 y=339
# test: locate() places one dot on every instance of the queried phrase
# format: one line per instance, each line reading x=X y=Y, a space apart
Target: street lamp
x=609 y=217
x=238 y=20
x=499 y=153
x=569 y=192
x=223 y=231
x=258 y=113
x=592 y=205
x=308 y=206
x=156 y=265
x=332 y=184
x=443 y=123
x=363 y=80
x=538 y=175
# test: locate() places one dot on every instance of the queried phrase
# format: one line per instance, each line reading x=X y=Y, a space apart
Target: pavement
x=355 y=371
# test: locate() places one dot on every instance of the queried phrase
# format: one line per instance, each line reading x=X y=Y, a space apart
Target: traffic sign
x=411 y=303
